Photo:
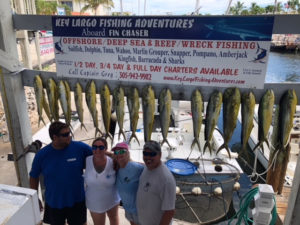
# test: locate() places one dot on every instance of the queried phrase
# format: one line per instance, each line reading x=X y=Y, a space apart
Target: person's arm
x=167 y=217
x=34 y=184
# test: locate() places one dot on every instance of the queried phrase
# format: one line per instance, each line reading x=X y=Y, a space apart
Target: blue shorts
x=75 y=215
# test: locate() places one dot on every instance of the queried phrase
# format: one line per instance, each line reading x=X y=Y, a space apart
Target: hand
x=41 y=206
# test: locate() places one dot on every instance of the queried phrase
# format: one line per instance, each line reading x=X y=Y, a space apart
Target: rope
x=242 y=214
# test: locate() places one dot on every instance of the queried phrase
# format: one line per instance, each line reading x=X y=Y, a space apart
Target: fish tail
x=166 y=141
x=41 y=119
x=196 y=141
x=123 y=133
x=267 y=142
x=256 y=146
x=133 y=135
x=98 y=131
x=108 y=135
x=83 y=126
x=221 y=147
x=207 y=145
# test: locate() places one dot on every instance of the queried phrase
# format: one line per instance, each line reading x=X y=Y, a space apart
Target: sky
x=181 y=7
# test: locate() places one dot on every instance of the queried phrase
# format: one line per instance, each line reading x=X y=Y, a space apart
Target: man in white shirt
x=156 y=194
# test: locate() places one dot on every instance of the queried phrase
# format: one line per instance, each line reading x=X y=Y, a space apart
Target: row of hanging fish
x=231 y=100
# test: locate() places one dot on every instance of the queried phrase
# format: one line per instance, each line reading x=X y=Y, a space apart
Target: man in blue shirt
x=61 y=163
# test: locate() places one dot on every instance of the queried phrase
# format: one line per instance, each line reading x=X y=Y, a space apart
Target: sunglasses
x=95 y=147
x=67 y=134
x=151 y=154
x=120 y=151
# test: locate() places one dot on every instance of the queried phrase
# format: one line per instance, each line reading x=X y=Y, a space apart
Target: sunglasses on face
x=120 y=151
x=67 y=134
x=151 y=154
x=95 y=147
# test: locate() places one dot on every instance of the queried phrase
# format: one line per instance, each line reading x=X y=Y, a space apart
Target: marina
x=209 y=184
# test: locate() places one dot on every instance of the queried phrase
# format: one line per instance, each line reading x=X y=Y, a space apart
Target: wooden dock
x=282 y=202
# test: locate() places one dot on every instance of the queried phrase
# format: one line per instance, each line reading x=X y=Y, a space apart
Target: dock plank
x=282 y=202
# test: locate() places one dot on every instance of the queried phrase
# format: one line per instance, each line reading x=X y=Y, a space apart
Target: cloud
x=176 y=7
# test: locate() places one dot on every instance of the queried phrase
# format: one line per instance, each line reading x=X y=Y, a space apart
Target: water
x=283 y=67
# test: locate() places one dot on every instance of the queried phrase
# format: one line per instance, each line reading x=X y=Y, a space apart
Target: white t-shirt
x=101 y=193
x=156 y=194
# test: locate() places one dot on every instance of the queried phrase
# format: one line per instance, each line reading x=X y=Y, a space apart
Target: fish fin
x=243 y=151
x=219 y=131
x=133 y=135
x=41 y=119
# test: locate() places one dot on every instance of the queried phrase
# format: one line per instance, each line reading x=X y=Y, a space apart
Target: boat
x=212 y=172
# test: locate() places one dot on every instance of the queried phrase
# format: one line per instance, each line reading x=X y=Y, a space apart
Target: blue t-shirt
x=62 y=171
x=127 y=185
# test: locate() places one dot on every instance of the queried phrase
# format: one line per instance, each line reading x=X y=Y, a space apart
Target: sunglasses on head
x=151 y=154
x=67 y=134
x=95 y=147
x=120 y=151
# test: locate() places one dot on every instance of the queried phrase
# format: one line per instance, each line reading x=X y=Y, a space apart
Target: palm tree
x=94 y=4
x=237 y=8
x=256 y=9
x=270 y=9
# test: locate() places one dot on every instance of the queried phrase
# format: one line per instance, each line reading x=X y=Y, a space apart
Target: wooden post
x=13 y=96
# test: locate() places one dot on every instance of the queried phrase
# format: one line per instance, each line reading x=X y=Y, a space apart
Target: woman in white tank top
x=101 y=192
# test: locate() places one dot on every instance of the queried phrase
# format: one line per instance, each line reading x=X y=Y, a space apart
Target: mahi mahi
x=133 y=103
x=78 y=103
x=148 y=102
x=52 y=94
x=38 y=89
x=231 y=107
x=265 y=113
x=212 y=115
x=165 y=103
x=90 y=96
x=197 y=108
x=65 y=100
x=119 y=103
x=248 y=106
x=287 y=108
x=106 y=108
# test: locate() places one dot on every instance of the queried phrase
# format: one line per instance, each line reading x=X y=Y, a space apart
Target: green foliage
x=94 y=4
x=50 y=7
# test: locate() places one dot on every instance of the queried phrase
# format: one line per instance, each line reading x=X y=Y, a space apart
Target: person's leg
x=54 y=216
x=98 y=218
x=113 y=215
x=76 y=215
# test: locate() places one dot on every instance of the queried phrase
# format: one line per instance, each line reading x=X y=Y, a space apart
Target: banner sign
x=204 y=51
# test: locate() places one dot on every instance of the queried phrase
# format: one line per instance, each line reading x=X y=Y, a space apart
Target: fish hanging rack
x=179 y=92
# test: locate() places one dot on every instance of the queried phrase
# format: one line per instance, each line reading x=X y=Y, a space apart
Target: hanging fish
x=231 y=107
x=165 y=103
x=78 y=103
x=46 y=106
x=212 y=115
x=106 y=108
x=119 y=103
x=90 y=97
x=52 y=94
x=133 y=103
x=197 y=108
x=265 y=114
x=248 y=106
x=148 y=102
x=65 y=100
x=287 y=109
x=38 y=89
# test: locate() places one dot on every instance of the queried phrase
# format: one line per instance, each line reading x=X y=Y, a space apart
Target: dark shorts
x=75 y=215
